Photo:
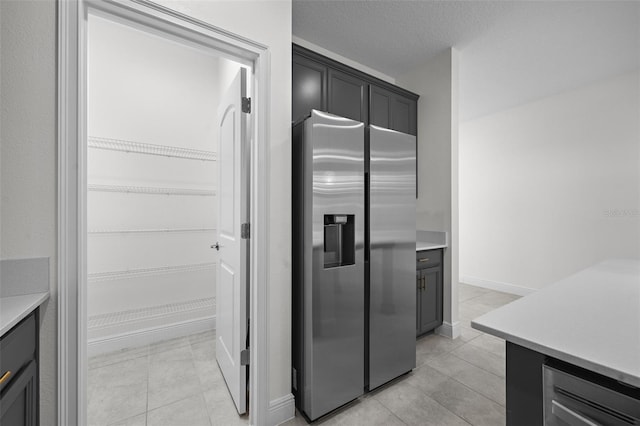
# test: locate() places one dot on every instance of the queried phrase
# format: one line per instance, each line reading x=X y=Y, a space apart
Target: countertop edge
x=563 y=356
x=430 y=246
x=34 y=301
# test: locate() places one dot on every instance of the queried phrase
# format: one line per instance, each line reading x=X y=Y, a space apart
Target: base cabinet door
x=430 y=299
x=429 y=283
x=18 y=401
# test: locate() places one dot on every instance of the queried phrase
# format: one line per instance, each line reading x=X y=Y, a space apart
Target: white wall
x=342 y=59
x=268 y=22
x=146 y=89
x=28 y=112
x=437 y=206
x=551 y=187
x=28 y=151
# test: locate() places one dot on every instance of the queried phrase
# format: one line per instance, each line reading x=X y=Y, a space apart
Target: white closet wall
x=151 y=185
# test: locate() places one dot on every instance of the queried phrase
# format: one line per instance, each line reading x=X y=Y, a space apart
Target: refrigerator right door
x=392 y=236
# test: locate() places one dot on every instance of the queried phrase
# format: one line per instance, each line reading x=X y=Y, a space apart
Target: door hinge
x=245 y=231
x=245 y=355
x=246 y=105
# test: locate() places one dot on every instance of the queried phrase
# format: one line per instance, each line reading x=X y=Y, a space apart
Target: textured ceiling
x=511 y=52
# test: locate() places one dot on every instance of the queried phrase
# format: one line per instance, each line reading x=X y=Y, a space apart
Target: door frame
x=72 y=187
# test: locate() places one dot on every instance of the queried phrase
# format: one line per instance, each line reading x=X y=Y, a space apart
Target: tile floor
x=172 y=383
x=456 y=382
x=178 y=383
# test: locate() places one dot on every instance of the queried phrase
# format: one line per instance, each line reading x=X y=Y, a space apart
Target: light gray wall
x=28 y=147
x=437 y=206
x=551 y=187
x=28 y=188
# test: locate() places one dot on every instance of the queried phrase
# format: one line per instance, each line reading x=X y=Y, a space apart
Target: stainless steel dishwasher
x=575 y=399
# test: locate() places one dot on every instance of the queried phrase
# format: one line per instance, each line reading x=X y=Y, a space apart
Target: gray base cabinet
x=428 y=290
x=19 y=374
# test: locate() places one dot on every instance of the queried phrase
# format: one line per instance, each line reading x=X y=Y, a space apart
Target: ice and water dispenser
x=339 y=240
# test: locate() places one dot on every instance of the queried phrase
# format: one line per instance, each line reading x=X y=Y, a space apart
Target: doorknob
x=216 y=246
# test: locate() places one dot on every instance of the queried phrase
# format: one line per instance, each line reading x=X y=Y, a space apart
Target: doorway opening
x=73 y=194
x=155 y=181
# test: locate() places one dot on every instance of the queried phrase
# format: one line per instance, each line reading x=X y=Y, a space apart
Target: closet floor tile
x=172 y=377
x=162 y=383
x=190 y=411
x=139 y=420
x=117 y=391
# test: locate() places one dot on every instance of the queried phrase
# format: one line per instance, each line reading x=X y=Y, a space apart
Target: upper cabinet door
x=380 y=106
x=403 y=115
x=308 y=87
x=392 y=110
x=321 y=83
x=347 y=96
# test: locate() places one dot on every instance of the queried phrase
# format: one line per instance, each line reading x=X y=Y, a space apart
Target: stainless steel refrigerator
x=353 y=260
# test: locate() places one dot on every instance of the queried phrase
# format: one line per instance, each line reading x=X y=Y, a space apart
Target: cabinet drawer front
x=17 y=348
x=428 y=258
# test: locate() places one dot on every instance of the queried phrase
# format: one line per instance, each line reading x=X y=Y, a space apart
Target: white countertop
x=422 y=245
x=590 y=319
x=429 y=240
x=14 y=308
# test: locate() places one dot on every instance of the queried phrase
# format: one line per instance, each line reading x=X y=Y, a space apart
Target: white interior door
x=231 y=287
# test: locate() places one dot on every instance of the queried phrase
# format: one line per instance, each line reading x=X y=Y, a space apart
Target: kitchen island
x=588 y=322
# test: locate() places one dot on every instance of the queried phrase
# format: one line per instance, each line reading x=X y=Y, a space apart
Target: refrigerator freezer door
x=333 y=289
x=392 y=309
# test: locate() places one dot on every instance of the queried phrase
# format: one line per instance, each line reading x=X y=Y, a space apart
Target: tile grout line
x=434 y=400
x=479 y=393
x=392 y=413
x=479 y=366
x=446 y=408
x=200 y=385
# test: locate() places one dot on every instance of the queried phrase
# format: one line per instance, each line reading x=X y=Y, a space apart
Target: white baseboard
x=497 y=285
x=149 y=335
x=281 y=410
x=449 y=330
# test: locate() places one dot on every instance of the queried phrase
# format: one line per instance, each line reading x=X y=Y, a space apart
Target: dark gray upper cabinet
x=392 y=110
x=404 y=115
x=308 y=87
x=347 y=96
x=321 y=83
x=380 y=107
